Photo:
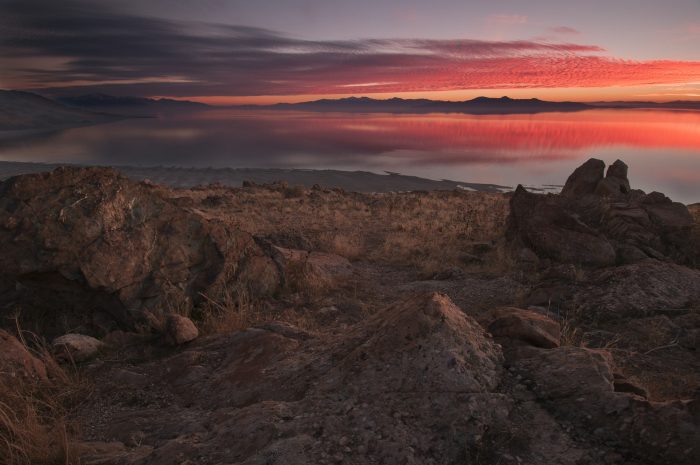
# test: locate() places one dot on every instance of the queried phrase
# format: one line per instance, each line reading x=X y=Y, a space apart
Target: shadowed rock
x=584 y=179
x=523 y=325
x=599 y=222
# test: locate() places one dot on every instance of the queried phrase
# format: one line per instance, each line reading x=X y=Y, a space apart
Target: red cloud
x=435 y=73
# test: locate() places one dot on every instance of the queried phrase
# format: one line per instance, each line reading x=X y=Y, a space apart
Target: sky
x=263 y=51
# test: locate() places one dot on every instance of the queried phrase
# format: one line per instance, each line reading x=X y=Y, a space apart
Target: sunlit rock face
x=84 y=243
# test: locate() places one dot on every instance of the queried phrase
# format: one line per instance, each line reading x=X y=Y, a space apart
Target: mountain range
x=130 y=106
x=26 y=111
x=479 y=105
x=21 y=110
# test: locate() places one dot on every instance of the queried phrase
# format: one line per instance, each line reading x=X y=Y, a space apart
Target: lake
x=661 y=147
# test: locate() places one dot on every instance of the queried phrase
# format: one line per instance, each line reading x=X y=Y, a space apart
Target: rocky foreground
x=281 y=325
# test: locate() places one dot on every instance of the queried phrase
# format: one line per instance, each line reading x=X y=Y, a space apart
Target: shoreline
x=187 y=177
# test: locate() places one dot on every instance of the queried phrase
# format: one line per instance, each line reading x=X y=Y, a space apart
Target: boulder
x=523 y=325
x=179 y=329
x=76 y=347
x=16 y=362
x=89 y=238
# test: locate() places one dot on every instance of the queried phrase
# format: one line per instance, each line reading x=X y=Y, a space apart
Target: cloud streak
x=74 y=47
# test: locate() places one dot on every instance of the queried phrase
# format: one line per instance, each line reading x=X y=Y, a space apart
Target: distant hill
x=478 y=106
x=25 y=111
x=130 y=105
x=674 y=105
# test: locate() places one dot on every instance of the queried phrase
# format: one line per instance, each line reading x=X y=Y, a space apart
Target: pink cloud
x=564 y=30
x=506 y=19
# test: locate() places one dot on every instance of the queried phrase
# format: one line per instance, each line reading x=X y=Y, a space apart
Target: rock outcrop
x=91 y=243
x=385 y=392
x=599 y=221
x=581 y=388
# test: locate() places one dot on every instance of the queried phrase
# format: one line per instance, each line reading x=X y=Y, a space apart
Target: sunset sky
x=223 y=51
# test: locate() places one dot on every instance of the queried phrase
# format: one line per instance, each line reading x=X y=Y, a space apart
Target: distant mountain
x=674 y=105
x=478 y=106
x=131 y=105
x=25 y=111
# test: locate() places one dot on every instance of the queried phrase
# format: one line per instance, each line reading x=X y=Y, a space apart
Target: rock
x=622 y=384
x=16 y=362
x=523 y=325
x=76 y=347
x=381 y=388
x=618 y=170
x=580 y=387
x=301 y=269
x=627 y=254
x=84 y=240
x=585 y=178
x=544 y=225
x=599 y=226
x=638 y=290
x=179 y=329
x=615 y=182
x=671 y=216
x=422 y=344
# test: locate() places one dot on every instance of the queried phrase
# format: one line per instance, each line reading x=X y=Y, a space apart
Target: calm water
x=661 y=147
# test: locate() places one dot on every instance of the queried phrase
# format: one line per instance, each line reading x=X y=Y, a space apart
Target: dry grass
x=232 y=310
x=430 y=231
x=34 y=428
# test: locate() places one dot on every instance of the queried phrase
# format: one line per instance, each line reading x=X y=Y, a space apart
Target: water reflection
x=662 y=147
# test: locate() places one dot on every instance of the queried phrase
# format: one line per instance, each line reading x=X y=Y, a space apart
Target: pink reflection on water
x=662 y=147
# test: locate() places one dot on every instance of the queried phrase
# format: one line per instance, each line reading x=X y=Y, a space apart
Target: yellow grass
x=426 y=230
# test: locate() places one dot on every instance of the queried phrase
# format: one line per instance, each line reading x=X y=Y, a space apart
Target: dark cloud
x=74 y=47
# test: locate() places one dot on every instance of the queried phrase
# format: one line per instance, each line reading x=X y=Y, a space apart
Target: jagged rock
x=615 y=182
x=179 y=329
x=523 y=325
x=88 y=238
x=598 y=222
x=618 y=170
x=584 y=179
x=76 y=347
x=16 y=362
x=544 y=225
